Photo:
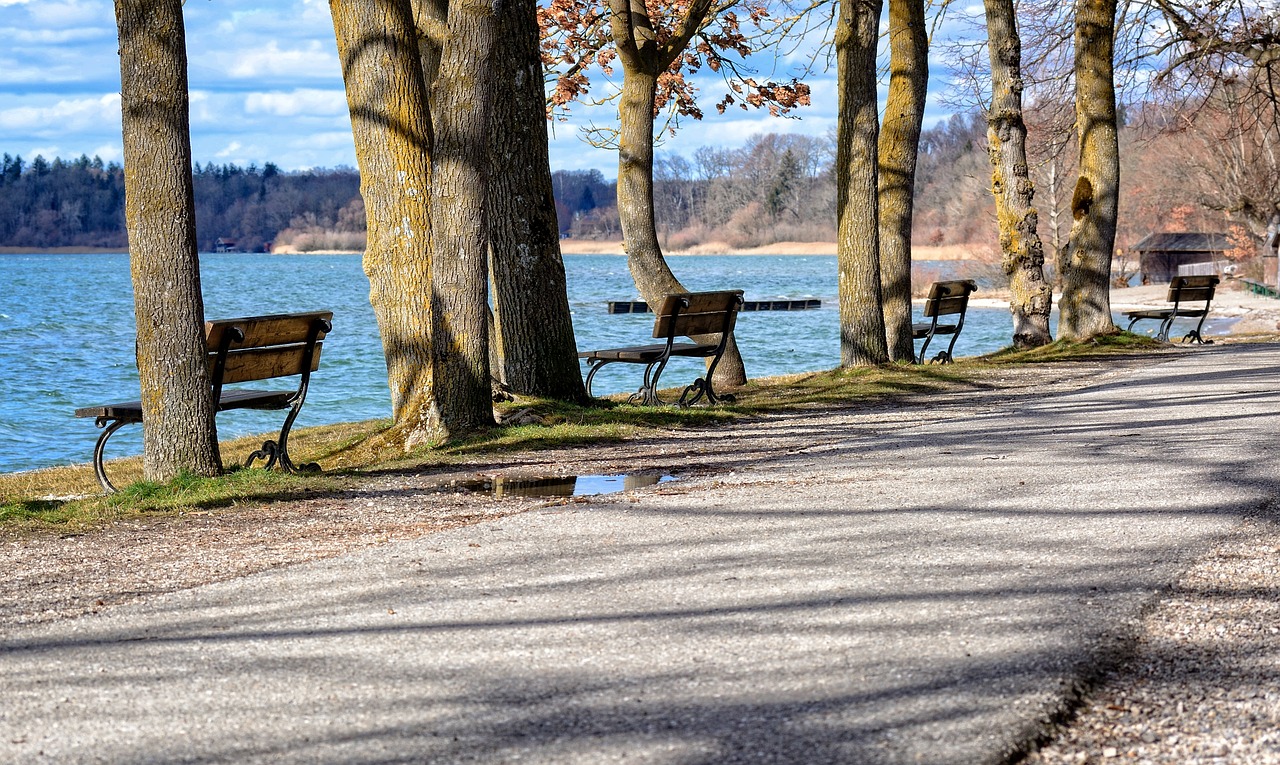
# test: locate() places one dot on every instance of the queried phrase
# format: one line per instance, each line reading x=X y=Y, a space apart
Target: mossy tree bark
x=1086 y=293
x=461 y=101
x=899 y=144
x=534 y=331
x=643 y=58
x=387 y=96
x=862 y=328
x=1022 y=251
x=180 y=433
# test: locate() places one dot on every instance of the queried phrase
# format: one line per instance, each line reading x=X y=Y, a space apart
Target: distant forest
x=774 y=188
x=80 y=203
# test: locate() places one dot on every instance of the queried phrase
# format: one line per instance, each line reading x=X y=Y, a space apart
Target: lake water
x=67 y=335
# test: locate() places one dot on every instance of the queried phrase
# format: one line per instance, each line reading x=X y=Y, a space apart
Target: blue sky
x=265 y=87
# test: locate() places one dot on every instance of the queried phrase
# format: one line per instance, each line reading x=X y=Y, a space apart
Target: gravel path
x=1189 y=643
x=1203 y=683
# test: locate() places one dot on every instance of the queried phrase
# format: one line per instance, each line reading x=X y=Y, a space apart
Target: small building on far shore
x=1162 y=256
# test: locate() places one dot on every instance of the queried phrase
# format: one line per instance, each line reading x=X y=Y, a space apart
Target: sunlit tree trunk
x=387 y=97
x=535 y=343
x=862 y=329
x=1055 y=223
x=460 y=105
x=180 y=433
x=431 y=17
x=643 y=59
x=899 y=143
x=1023 y=253
x=1086 y=291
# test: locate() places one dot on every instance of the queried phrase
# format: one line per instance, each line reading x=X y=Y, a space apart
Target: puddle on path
x=560 y=486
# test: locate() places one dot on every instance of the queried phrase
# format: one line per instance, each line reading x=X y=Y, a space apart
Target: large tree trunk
x=388 y=101
x=180 y=433
x=862 y=331
x=643 y=60
x=535 y=343
x=652 y=275
x=1023 y=253
x=899 y=144
x=1086 y=291
x=460 y=105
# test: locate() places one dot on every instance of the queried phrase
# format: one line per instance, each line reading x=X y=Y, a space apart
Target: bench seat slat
x=1192 y=294
x=700 y=302
x=274 y=329
x=131 y=411
x=1164 y=313
x=922 y=330
x=946 y=306
x=648 y=353
x=686 y=324
x=249 y=364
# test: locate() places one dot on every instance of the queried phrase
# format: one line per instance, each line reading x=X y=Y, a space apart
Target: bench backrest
x=1191 y=288
x=946 y=298
x=264 y=347
x=697 y=313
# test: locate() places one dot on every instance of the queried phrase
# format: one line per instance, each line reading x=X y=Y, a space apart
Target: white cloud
x=68 y=115
x=230 y=150
x=306 y=62
x=69 y=14
x=303 y=101
x=68 y=36
x=109 y=152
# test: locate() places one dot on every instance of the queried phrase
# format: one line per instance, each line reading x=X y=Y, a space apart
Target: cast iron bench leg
x=278 y=451
x=649 y=392
x=100 y=447
x=593 y=366
x=1194 y=335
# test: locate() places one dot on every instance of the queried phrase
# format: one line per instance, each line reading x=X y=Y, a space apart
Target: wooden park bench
x=242 y=350
x=680 y=315
x=1182 y=290
x=945 y=300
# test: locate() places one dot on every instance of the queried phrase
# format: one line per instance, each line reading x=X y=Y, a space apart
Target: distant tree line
x=80 y=203
x=61 y=204
x=782 y=188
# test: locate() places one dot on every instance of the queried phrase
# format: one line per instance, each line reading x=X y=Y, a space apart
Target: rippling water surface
x=67 y=334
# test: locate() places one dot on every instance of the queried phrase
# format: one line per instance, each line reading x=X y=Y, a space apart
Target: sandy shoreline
x=615 y=247
x=594 y=247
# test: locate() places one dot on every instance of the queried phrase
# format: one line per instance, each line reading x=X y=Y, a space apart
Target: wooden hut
x=1163 y=256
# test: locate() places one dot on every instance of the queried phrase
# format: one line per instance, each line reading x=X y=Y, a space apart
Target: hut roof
x=1183 y=242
